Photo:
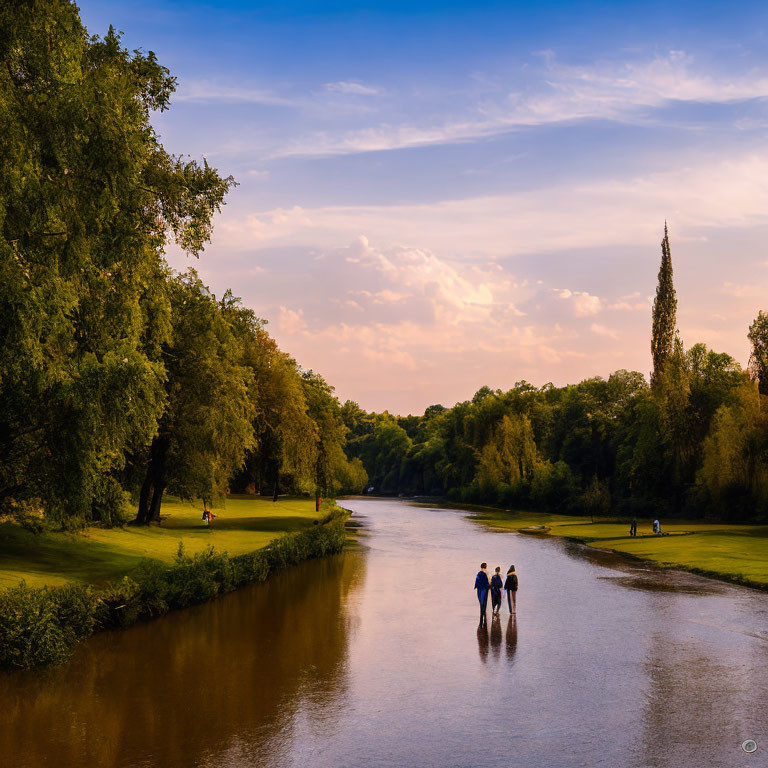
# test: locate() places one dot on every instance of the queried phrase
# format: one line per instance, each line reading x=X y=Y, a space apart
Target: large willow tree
x=206 y=428
x=87 y=198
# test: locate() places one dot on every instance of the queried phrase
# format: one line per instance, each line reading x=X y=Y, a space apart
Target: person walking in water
x=481 y=585
x=510 y=585
x=496 y=587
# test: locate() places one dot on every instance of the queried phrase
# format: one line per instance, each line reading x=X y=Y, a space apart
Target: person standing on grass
x=496 y=587
x=633 y=527
x=510 y=585
x=481 y=585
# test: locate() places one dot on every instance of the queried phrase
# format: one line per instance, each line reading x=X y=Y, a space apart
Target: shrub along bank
x=97 y=555
x=39 y=627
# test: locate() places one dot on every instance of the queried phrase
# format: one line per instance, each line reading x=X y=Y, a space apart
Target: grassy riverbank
x=736 y=553
x=42 y=625
x=98 y=555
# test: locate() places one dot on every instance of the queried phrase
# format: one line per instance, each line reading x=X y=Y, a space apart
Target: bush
x=197 y=579
x=39 y=627
x=75 y=608
x=42 y=626
x=109 y=502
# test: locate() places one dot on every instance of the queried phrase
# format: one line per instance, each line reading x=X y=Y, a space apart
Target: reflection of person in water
x=496 y=636
x=511 y=637
x=482 y=640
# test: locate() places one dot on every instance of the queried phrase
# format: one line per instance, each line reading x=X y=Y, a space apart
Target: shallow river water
x=374 y=658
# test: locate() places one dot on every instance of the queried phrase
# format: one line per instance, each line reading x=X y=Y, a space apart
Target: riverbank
x=730 y=552
x=98 y=555
x=42 y=626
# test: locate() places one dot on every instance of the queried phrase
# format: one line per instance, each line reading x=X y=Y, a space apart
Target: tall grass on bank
x=40 y=627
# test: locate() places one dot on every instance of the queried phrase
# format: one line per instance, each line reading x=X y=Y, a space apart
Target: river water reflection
x=375 y=658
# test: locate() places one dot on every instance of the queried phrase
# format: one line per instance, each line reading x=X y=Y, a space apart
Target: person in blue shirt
x=496 y=586
x=482 y=585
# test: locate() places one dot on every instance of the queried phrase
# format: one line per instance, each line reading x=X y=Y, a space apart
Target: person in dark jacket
x=510 y=585
x=481 y=585
x=496 y=587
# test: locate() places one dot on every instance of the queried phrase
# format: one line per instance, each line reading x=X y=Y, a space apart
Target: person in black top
x=482 y=585
x=496 y=587
x=633 y=527
x=511 y=586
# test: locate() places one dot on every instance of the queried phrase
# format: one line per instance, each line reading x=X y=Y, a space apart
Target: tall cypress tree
x=758 y=360
x=664 y=312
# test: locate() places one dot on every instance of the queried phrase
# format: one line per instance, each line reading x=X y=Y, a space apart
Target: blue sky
x=434 y=197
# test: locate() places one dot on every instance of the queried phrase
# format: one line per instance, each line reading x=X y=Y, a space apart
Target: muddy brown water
x=374 y=658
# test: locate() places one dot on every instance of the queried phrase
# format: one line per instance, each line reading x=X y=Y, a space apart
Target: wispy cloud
x=608 y=91
x=351 y=87
x=715 y=192
x=601 y=330
x=206 y=90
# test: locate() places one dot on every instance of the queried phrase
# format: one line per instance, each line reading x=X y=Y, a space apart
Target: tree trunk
x=142 y=515
x=151 y=494
x=157 y=500
x=277 y=484
x=318 y=502
x=257 y=478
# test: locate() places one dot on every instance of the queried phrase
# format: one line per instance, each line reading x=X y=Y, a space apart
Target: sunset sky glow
x=434 y=197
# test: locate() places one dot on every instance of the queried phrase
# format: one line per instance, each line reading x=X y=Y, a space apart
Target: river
x=374 y=658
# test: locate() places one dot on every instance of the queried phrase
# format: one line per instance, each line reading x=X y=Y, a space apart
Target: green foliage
x=590 y=448
x=109 y=502
x=87 y=198
x=333 y=472
x=596 y=499
x=207 y=425
x=664 y=312
x=42 y=626
x=509 y=458
x=758 y=336
x=554 y=486
x=284 y=432
x=383 y=453
x=734 y=470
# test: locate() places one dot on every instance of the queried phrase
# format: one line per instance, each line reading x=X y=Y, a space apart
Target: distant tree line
x=692 y=442
x=117 y=375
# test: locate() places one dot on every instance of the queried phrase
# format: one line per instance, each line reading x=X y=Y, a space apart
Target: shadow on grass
x=66 y=555
x=268 y=524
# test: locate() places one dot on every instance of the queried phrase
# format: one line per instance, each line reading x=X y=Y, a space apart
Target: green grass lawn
x=733 y=552
x=97 y=555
